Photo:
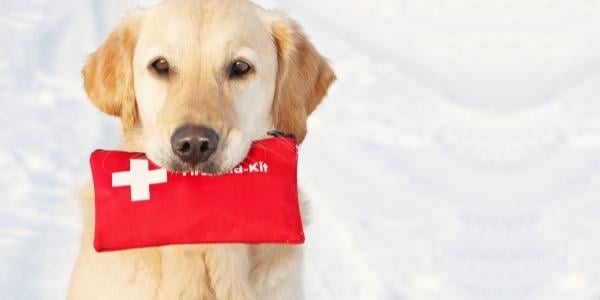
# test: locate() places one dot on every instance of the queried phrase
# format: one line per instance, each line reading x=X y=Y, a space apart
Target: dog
x=194 y=82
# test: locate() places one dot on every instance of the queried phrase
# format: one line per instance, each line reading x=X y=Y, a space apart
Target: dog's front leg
x=277 y=272
x=228 y=267
x=277 y=269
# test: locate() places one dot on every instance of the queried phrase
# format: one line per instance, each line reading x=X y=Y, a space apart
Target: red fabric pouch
x=139 y=204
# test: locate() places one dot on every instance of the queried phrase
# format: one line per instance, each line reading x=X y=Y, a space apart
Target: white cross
x=139 y=177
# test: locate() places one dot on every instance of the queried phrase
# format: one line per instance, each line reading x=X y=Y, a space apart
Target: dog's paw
x=240 y=291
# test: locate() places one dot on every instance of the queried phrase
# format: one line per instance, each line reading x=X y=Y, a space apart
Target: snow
x=457 y=157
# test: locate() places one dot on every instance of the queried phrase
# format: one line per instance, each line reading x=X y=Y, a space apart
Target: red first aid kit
x=139 y=204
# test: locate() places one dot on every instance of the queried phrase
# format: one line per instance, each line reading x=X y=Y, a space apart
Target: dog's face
x=204 y=83
x=196 y=81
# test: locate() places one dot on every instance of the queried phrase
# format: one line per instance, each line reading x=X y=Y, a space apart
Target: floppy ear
x=108 y=74
x=303 y=78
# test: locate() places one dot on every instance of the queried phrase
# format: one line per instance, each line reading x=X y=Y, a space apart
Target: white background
x=457 y=157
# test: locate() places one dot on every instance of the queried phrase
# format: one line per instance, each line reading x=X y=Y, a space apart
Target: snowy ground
x=458 y=156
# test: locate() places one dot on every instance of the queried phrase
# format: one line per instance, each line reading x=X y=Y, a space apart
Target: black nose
x=193 y=143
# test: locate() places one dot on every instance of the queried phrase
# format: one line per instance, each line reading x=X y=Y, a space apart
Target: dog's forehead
x=205 y=22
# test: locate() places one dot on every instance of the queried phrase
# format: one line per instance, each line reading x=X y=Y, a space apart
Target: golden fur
x=291 y=80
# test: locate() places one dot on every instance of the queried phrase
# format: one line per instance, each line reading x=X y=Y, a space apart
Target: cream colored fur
x=200 y=38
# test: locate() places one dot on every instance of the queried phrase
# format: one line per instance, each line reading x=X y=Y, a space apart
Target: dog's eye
x=239 y=68
x=160 y=66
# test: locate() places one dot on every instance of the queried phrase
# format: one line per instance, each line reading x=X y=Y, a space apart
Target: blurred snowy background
x=457 y=157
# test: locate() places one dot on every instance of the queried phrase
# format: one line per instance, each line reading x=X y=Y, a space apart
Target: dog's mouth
x=221 y=162
x=208 y=167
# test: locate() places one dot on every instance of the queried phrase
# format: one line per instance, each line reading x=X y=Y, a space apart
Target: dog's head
x=196 y=81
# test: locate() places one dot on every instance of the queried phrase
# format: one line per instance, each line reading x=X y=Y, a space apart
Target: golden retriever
x=194 y=82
